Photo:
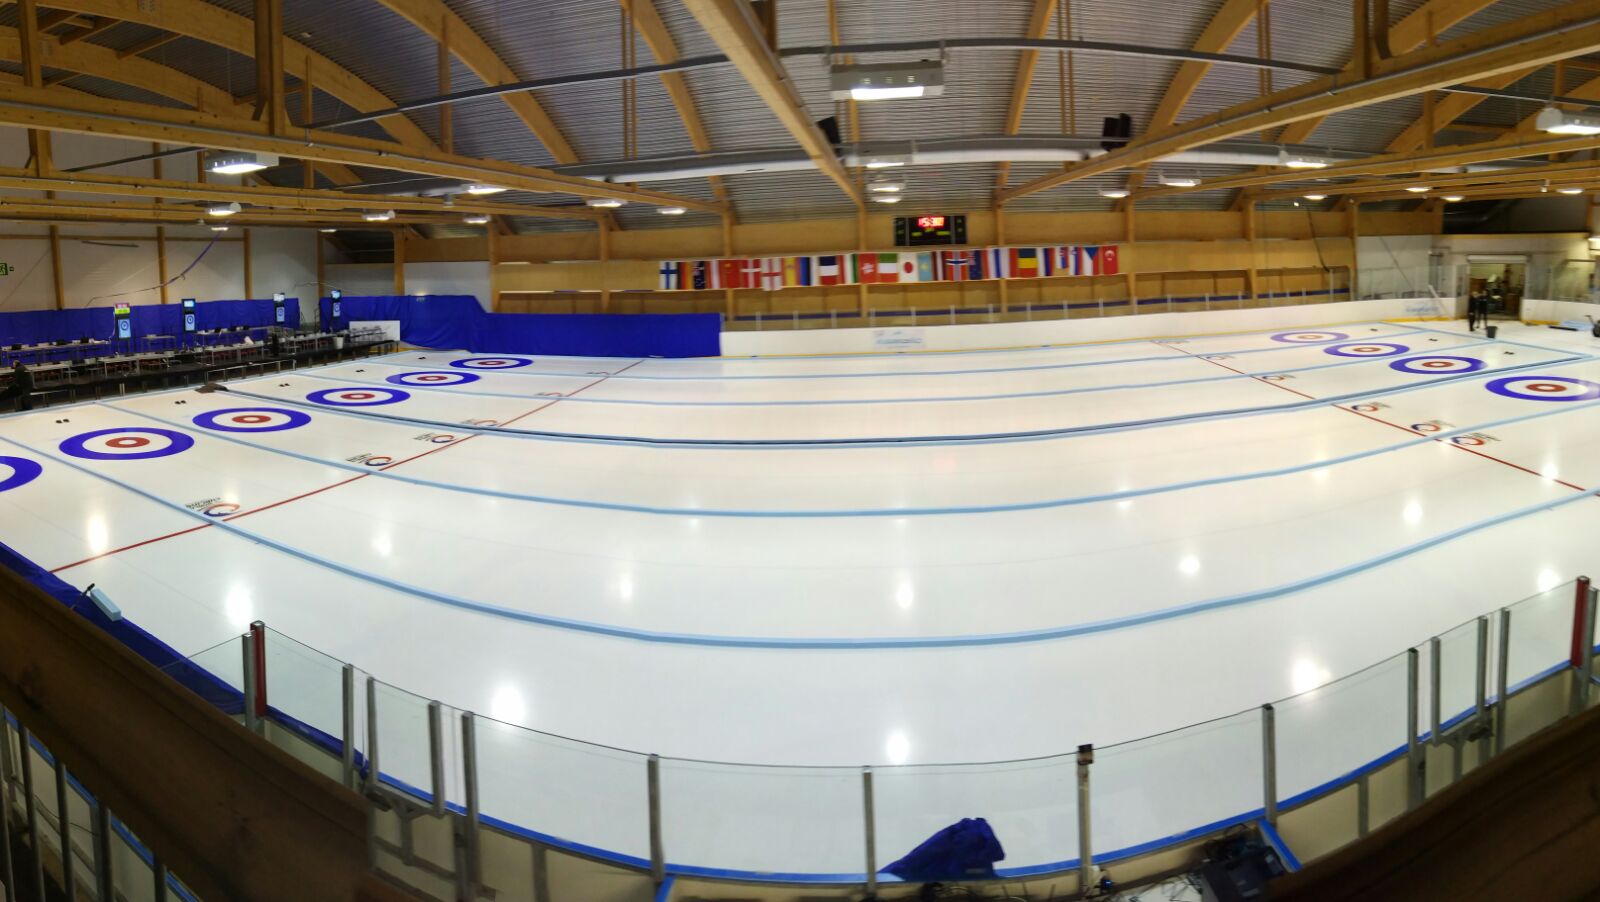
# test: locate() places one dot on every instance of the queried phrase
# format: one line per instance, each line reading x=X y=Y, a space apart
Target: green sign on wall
x=5 y=269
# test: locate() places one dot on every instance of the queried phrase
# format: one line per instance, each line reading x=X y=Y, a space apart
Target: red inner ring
x=1545 y=387
x=251 y=418
x=357 y=396
x=1436 y=363
x=128 y=442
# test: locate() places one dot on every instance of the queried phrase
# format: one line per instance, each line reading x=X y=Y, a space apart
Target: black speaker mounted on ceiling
x=1120 y=126
x=830 y=130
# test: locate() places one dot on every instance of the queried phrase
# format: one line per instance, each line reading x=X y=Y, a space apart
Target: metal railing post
x=1269 y=764
x=348 y=724
x=1413 y=748
x=1481 y=703
x=31 y=809
x=372 y=734
x=1588 y=646
x=1582 y=645
x=159 y=871
x=869 y=823
x=436 y=755
x=658 y=858
x=1501 y=673
x=1436 y=680
x=247 y=651
x=469 y=774
x=1085 y=822
x=105 y=886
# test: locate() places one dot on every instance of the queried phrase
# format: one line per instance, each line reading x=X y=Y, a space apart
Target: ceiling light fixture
x=887 y=198
x=237 y=162
x=1453 y=198
x=1300 y=161
x=887 y=81
x=884 y=162
x=886 y=186
x=1114 y=193
x=1179 y=181
x=1557 y=121
x=481 y=190
x=378 y=216
x=1418 y=189
x=1573 y=190
x=1315 y=196
x=327 y=231
x=673 y=211
x=476 y=219
x=219 y=228
x=224 y=209
x=604 y=203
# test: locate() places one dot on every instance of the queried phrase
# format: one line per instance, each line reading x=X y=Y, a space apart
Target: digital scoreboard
x=123 y=314
x=929 y=229
x=190 y=324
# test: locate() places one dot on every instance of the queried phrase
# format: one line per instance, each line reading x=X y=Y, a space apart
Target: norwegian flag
x=953 y=266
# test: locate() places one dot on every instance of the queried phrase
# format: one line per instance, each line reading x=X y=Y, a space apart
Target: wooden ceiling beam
x=647 y=19
x=1409 y=33
x=216 y=25
x=1572 y=29
x=44 y=108
x=436 y=19
x=1555 y=174
x=148 y=44
x=102 y=24
x=729 y=24
x=1022 y=82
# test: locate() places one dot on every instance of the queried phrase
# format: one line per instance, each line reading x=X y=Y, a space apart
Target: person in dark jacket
x=21 y=387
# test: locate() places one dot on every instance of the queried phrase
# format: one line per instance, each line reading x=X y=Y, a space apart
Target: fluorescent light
x=1114 y=193
x=900 y=93
x=236 y=162
x=1569 y=190
x=887 y=186
x=476 y=219
x=224 y=209
x=1315 y=196
x=887 y=81
x=219 y=228
x=887 y=198
x=672 y=211
x=327 y=231
x=480 y=190
x=378 y=216
x=1179 y=181
x=1300 y=161
x=1453 y=198
x=1418 y=189
x=1557 y=121
x=884 y=163
x=604 y=203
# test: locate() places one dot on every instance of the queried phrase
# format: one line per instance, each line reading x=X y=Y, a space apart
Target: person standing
x=1475 y=307
x=21 y=387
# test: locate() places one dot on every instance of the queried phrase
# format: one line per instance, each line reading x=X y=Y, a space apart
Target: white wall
x=358 y=279
x=102 y=260
x=449 y=278
x=1045 y=332
x=1393 y=265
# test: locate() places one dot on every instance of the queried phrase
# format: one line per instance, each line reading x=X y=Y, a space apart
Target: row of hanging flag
x=773 y=273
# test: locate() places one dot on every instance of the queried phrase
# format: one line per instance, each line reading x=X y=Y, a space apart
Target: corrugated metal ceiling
x=546 y=38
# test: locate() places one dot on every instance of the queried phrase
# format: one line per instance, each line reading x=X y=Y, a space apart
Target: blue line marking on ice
x=934 y=440
x=868 y=512
x=820 y=642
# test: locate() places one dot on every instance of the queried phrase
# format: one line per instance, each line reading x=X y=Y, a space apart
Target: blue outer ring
x=322 y=396
x=1404 y=365
x=26 y=471
x=297 y=419
x=1339 y=350
x=460 y=378
x=515 y=362
x=1284 y=337
x=1502 y=387
x=75 y=446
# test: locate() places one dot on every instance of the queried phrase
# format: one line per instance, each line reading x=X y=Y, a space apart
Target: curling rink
x=898 y=560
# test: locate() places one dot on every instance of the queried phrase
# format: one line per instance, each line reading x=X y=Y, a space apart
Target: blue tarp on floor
x=460 y=322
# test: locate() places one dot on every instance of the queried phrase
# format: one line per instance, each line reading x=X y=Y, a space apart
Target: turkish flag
x=1108 y=260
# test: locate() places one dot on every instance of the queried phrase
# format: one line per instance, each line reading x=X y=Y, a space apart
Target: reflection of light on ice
x=905 y=594
x=1189 y=565
x=1550 y=471
x=625 y=587
x=1412 y=513
x=506 y=705
x=99 y=535
x=898 y=747
x=239 y=607
x=1548 y=579
x=1306 y=675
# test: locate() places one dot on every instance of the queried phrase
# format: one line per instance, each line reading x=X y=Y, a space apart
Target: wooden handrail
x=1523 y=826
x=231 y=815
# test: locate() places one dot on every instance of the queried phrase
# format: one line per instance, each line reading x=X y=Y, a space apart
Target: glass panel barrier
x=1325 y=734
x=216 y=674
x=1032 y=806
x=1458 y=674
x=307 y=685
x=807 y=820
x=1541 y=635
x=571 y=792
x=1156 y=788
x=403 y=751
